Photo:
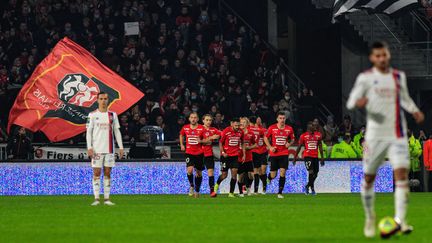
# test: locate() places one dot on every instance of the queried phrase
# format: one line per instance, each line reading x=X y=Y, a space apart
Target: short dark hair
x=101 y=93
x=377 y=45
x=281 y=113
x=235 y=119
x=253 y=119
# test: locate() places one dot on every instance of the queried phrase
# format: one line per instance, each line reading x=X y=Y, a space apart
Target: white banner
x=59 y=153
x=131 y=28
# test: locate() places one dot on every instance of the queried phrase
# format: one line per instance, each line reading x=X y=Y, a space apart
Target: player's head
x=311 y=127
x=379 y=55
x=235 y=123
x=102 y=99
x=207 y=120
x=258 y=121
x=193 y=118
x=281 y=118
x=244 y=122
x=253 y=120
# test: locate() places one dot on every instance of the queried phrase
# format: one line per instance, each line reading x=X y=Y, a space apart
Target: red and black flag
x=63 y=90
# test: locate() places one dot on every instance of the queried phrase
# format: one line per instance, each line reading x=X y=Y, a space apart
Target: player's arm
x=221 y=148
x=357 y=97
x=407 y=103
x=118 y=136
x=267 y=142
x=291 y=139
x=89 y=135
x=181 y=140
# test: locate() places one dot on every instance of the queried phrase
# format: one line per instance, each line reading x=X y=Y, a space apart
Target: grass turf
x=179 y=218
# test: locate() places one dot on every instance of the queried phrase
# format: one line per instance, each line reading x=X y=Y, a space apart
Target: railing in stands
x=295 y=84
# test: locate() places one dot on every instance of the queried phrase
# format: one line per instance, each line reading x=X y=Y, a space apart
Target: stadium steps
x=381 y=27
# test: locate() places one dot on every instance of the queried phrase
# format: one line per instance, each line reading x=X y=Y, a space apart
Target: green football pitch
x=179 y=218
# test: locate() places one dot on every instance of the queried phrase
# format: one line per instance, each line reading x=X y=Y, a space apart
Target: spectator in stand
x=346 y=126
x=331 y=130
x=307 y=104
x=19 y=146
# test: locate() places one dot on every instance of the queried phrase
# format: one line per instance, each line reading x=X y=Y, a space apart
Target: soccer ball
x=388 y=227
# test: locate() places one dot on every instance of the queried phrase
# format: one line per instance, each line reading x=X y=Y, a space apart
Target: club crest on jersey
x=77 y=96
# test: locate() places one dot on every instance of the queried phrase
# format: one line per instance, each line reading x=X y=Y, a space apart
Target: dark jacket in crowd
x=19 y=147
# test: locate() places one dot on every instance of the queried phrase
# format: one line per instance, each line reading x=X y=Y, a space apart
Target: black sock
x=281 y=184
x=198 y=181
x=240 y=186
x=256 y=182
x=314 y=176
x=232 y=185
x=264 y=181
x=211 y=183
x=248 y=181
x=191 y=180
x=310 y=179
x=219 y=180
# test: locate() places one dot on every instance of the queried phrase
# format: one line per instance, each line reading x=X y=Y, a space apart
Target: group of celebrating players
x=245 y=146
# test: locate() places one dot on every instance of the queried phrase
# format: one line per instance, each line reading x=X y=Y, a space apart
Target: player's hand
x=244 y=157
x=90 y=153
x=273 y=149
x=362 y=102
x=322 y=162
x=418 y=117
x=224 y=154
x=287 y=145
x=182 y=147
x=121 y=152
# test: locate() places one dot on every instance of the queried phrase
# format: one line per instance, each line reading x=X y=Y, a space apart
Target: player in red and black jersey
x=259 y=154
x=230 y=145
x=312 y=142
x=194 y=153
x=209 y=135
x=282 y=136
x=246 y=168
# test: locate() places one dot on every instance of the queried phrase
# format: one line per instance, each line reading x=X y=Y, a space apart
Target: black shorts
x=195 y=160
x=209 y=162
x=259 y=159
x=245 y=167
x=312 y=164
x=278 y=162
x=230 y=162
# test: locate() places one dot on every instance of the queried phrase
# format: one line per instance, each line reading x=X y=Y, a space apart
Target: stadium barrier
x=167 y=177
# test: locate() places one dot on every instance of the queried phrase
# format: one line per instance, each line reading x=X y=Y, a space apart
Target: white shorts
x=376 y=151
x=103 y=160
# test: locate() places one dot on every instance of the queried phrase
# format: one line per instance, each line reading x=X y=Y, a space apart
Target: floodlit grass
x=179 y=218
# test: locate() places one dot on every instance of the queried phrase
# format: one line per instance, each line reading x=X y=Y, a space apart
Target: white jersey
x=387 y=94
x=101 y=128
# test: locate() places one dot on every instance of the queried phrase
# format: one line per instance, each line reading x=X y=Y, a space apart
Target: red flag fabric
x=63 y=89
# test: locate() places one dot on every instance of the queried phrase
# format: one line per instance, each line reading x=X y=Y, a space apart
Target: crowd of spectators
x=187 y=57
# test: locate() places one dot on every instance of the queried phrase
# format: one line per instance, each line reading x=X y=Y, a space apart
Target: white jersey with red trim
x=101 y=128
x=387 y=95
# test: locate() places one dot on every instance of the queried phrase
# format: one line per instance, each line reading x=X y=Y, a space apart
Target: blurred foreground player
x=101 y=126
x=194 y=154
x=383 y=92
x=282 y=136
x=230 y=145
x=311 y=140
x=209 y=135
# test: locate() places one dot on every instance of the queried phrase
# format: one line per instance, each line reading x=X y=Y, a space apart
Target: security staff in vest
x=343 y=149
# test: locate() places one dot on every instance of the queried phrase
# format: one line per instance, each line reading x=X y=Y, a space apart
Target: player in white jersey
x=101 y=126
x=383 y=92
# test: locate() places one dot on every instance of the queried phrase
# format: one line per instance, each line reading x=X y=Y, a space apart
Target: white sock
x=96 y=187
x=401 y=199
x=107 y=188
x=368 y=200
